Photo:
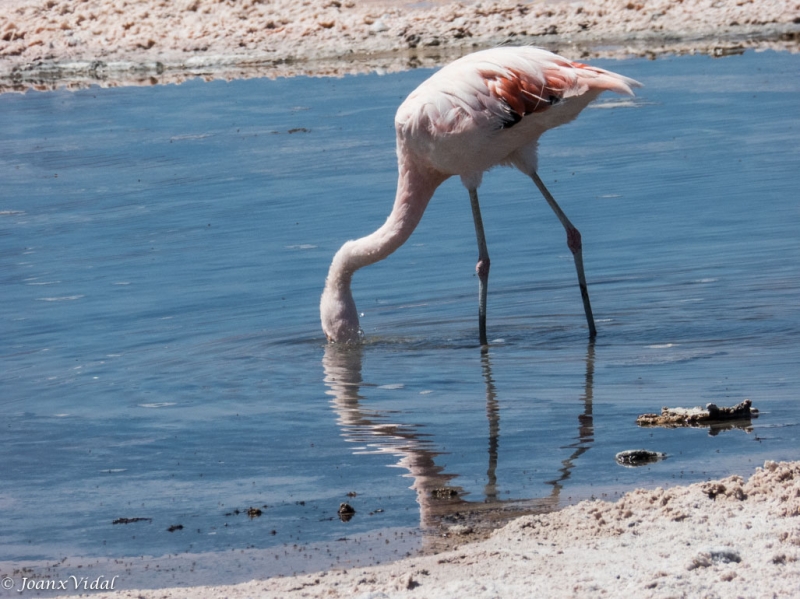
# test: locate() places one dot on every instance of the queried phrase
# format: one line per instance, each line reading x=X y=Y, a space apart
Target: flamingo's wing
x=468 y=117
x=537 y=81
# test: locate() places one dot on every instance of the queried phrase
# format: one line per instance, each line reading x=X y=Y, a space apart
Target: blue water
x=162 y=252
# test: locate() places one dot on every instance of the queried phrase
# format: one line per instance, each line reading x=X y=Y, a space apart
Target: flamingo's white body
x=485 y=109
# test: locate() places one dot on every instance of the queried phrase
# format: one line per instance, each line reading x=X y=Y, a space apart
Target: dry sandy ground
x=727 y=538
x=79 y=42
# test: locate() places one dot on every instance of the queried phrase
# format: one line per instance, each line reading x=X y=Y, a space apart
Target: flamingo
x=485 y=109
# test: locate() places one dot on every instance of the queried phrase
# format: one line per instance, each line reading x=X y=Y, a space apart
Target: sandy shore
x=44 y=43
x=726 y=538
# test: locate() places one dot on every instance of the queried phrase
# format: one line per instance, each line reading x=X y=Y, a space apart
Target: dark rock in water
x=639 y=457
x=712 y=416
x=131 y=520
x=444 y=493
x=346 y=512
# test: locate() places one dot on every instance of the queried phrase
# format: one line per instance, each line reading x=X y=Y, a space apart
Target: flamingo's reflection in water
x=441 y=504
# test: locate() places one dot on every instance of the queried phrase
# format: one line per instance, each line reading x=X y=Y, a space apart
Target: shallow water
x=162 y=252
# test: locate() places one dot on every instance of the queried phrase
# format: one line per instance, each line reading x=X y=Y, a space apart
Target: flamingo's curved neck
x=415 y=187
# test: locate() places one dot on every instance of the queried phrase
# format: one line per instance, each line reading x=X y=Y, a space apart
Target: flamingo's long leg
x=482 y=268
x=575 y=246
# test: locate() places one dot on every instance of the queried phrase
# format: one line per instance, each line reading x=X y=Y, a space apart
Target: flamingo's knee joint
x=482 y=268
x=574 y=240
